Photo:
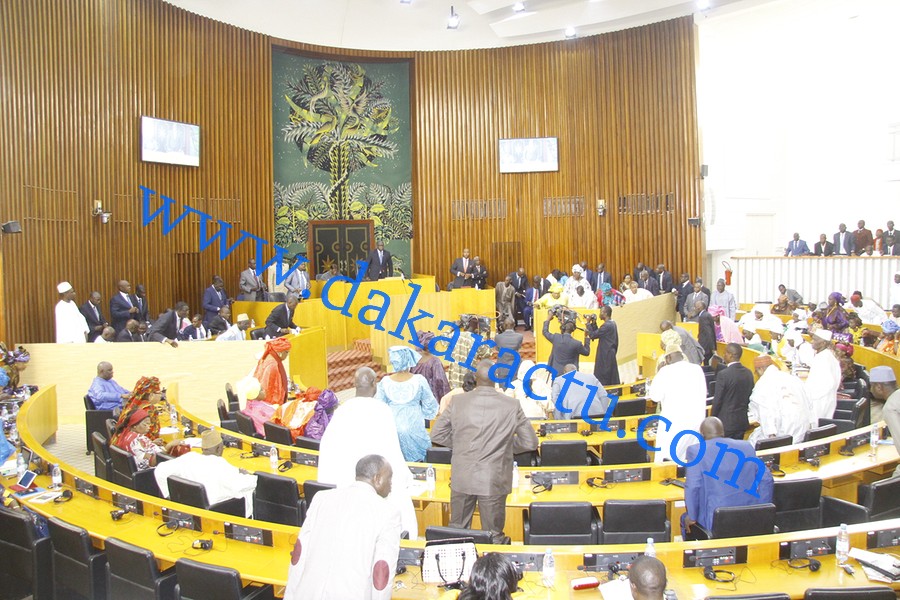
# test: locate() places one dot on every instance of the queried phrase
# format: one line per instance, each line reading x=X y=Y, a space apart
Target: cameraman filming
x=566 y=349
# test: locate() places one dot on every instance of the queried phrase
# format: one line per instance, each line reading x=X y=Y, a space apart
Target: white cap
x=64 y=287
x=242 y=317
x=882 y=374
x=823 y=334
x=577 y=269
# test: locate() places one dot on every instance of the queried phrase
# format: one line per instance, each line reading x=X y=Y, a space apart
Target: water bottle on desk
x=874 y=437
x=430 y=480
x=515 y=476
x=842 y=547
x=21 y=466
x=173 y=415
x=548 y=571
x=650 y=550
x=55 y=478
x=273 y=458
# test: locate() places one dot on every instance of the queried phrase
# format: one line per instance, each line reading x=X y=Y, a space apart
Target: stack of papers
x=878 y=567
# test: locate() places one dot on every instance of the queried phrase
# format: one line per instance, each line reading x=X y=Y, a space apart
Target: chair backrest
x=188 y=492
x=245 y=424
x=199 y=581
x=277 y=297
x=751 y=597
x=563 y=453
x=307 y=442
x=841 y=425
x=123 y=466
x=774 y=442
x=17 y=542
x=102 y=458
x=876 y=592
x=233 y=404
x=740 y=521
x=622 y=452
x=311 y=488
x=129 y=566
x=882 y=498
x=819 y=433
x=448 y=533
x=110 y=428
x=630 y=408
x=836 y=511
x=222 y=410
x=862 y=412
x=276 y=499
x=561 y=523
x=438 y=455
x=797 y=504
x=633 y=521
x=278 y=434
x=89 y=403
x=72 y=562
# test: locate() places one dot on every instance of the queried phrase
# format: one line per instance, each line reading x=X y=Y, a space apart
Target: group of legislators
x=861 y=242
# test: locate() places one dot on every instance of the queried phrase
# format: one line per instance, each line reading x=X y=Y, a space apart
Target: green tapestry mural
x=342 y=148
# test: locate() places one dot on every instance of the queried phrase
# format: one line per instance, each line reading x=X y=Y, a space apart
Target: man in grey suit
x=484 y=428
x=566 y=349
x=509 y=339
x=252 y=285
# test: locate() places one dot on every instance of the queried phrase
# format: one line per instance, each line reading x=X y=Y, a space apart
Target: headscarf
x=577 y=269
x=795 y=336
x=140 y=400
x=716 y=311
x=4 y=378
x=424 y=338
x=765 y=309
x=20 y=355
x=837 y=297
x=556 y=288
x=270 y=371
x=136 y=417
x=847 y=349
x=890 y=327
x=276 y=346
x=130 y=417
x=403 y=358
x=763 y=360
x=325 y=405
x=671 y=340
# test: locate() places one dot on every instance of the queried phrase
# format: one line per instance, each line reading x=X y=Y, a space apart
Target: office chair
x=633 y=521
x=278 y=434
x=77 y=566
x=743 y=521
x=132 y=572
x=94 y=420
x=774 y=442
x=797 y=504
x=819 y=433
x=751 y=597
x=546 y=523
x=277 y=499
x=479 y=536
x=245 y=425
x=882 y=498
x=233 y=404
x=126 y=473
x=630 y=408
x=622 y=452
x=110 y=428
x=310 y=489
x=836 y=511
x=199 y=581
x=438 y=455
x=27 y=559
x=876 y=592
x=307 y=442
x=842 y=425
x=563 y=453
x=193 y=494
x=277 y=297
x=102 y=458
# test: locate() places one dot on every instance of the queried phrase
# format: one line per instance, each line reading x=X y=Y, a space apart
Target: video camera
x=484 y=323
x=563 y=314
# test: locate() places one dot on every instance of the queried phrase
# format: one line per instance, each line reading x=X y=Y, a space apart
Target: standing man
x=71 y=328
x=823 y=247
x=479 y=275
x=601 y=276
x=725 y=299
x=689 y=310
x=165 y=328
x=884 y=388
x=484 y=428
x=143 y=305
x=104 y=392
x=778 y=403
x=298 y=281
x=685 y=288
x=666 y=283
x=796 y=247
x=381 y=264
x=357 y=524
x=606 y=369
x=123 y=306
x=509 y=339
x=844 y=242
x=533 y=293
x=680 y=388
x=461 y=269
x=520 y=284
x=862 y=237
x=251 y=284
x=732 y=462
x=95 y=319
x=214 y=298
x=734 y=384
x=281 y=320
x=706 y=332
x=566 y=349
x=824 y=377
x=889 y=231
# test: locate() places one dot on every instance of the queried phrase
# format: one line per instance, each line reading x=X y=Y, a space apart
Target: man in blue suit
x=123 y=306
x=797 y=247
x=727 y=474
x=214 y=298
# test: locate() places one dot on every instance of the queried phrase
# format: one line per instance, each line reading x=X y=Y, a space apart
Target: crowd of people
x=861 y=242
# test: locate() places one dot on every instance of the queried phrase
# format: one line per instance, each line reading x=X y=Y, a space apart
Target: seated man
x=130 y=333
x=104 y=392
x=570 y=396
x=740 y=479
x=281 y=320
x=221 y=480
x=220 y=322
x=236 y=332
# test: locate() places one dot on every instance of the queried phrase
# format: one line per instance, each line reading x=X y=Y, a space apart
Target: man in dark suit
x=381 y=263
x=703 y=288
x=844 y=241
x=130 y=333
x=510 y=339
x=706 y=331
x=734 y=384
x=484 y=428
x=703 y=494
x=221 y=322
x=600 y=276
x=664 y=279
x=94 y=317
x=461 y=269
x=123 y=306
x=587 y=273
x=143 y=304
x=281 y=320
x=520 y=284
x=533 y=293
x=648 y=283
x=566 y=349
x=214 y=298
x=890 y=248
x=823 y=247
x=685 y=288
x=479 y=275
x=889 y=231
x=636 y=274
x=167 y=327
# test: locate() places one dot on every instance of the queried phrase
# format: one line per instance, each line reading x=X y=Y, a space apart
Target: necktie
x=380 y=257
x=128 y=298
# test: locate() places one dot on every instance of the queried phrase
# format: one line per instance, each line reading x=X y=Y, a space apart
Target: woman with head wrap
x=14 y=362
x=134 y=437
x=145 y=396
x=843 y=352
x=324 y=409
x=431 y=368
x=270 y=371
x=670 y=342
x=461 y=350
x=607 y=296
x=888 y=343
x=411 y=401
x=533 y=409
x=835 y=319
x=727 y=330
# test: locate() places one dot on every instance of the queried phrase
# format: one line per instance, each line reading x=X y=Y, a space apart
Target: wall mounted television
x=529 y=155
x=170 y=142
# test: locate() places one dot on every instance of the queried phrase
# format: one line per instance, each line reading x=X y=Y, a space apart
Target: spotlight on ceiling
x=519 y=7
x=702 y=4
x=453 y=21
x=570 y=33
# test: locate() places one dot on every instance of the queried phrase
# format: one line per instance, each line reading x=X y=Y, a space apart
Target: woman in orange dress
x=273 y=384
x=146 y=396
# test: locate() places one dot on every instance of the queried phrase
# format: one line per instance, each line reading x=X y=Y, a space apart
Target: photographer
x=566 y=349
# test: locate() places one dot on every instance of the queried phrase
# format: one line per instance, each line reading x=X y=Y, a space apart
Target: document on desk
x=617 y=589
x=878 y=567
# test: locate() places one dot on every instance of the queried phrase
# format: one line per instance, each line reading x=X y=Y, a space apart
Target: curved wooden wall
x=79 y=74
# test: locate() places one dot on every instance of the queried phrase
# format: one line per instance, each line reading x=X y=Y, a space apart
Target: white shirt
x=221 y=479
x=822 y=384
x=869 y=312
x=70 y=324
x=362 y=426
x=347 y=533
x=571 y=285
x=680 y=389
x=780 y=405
x=588 y=300
x=232 y=334
x=640 y=294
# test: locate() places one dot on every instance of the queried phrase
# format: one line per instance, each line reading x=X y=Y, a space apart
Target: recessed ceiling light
x=518 y=7
x=702 y=4
x=453 y=21
x=570 y=32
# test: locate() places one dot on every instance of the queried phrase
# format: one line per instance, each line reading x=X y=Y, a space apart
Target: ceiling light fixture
x=453 y=21
x=570 y=33
x=519 y=7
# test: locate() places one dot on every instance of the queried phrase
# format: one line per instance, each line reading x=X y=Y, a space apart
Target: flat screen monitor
x=529 y=155
x=170 y=142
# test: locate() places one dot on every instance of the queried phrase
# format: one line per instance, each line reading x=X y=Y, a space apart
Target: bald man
x=647 y=576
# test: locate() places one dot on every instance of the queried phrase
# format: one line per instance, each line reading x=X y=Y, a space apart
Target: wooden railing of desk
x=270 y=564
